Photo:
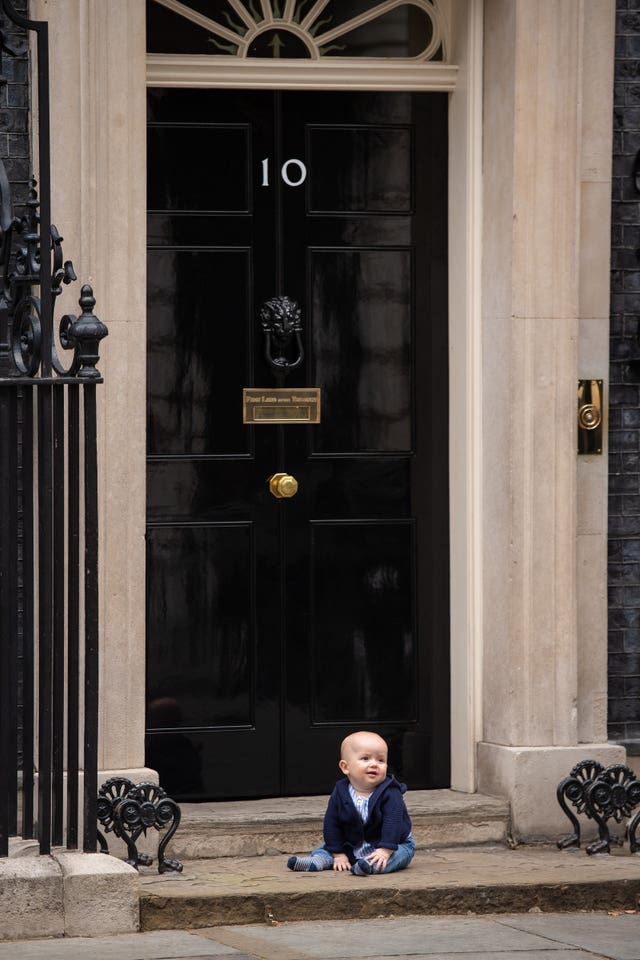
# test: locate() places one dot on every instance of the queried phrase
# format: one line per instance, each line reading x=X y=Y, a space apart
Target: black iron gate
x=48 y=516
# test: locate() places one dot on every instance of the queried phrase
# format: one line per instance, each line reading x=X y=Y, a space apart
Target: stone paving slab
x=541 y=937
x=336 y=940
x=456 y=880
x=570 y=936
x=617 y=936
x=166 y=945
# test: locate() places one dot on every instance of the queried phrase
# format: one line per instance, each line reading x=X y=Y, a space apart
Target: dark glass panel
x=199 y=671
x=198 y=356
x=364 y=643
x=222 y=12
x=370 y=169
x=254 y=9
x=361 y=349
x=339 y=11
x=168 y=32
x=279 y=44
x=302 y=8
x=215 y=163
x=403 y=32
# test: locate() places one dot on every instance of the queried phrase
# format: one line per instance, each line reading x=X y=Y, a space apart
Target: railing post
x=73 y=612
x=7 y=716
x=27 y=597
x=90 y=838
x=45 y=615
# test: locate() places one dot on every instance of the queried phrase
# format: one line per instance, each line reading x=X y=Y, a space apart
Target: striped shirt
x=362 y=806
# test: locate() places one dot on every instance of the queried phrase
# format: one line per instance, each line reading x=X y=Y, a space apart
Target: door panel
x=207 y=571
x=275 y=627
x=213 y=151
x=372 y=287
x=370 y=169
x=369 y=650
x=188 y=377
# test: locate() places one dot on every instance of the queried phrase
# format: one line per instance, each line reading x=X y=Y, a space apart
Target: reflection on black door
x=275 y=627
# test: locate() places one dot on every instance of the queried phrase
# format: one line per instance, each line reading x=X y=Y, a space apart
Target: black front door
x=277 y=626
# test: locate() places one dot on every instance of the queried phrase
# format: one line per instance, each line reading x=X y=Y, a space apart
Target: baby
x=366 y=827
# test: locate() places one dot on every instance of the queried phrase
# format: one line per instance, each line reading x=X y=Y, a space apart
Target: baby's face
x=364 y=761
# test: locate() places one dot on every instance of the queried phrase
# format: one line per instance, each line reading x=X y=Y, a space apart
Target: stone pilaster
x=98 y=126
x=536 y=694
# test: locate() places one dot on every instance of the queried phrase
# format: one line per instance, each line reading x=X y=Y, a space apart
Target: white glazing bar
x=242 y=12
x=267 y=12
x=289 y=9
x=200 y=20
x=292 y=29
x=313 y=14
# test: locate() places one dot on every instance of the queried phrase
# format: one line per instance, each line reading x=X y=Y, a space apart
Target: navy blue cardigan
x=387 y=826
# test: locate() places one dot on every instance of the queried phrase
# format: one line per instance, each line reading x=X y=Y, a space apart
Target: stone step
x=456 y=880
x=250 y=828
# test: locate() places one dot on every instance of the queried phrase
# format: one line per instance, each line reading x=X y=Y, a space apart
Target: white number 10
x=284 y=173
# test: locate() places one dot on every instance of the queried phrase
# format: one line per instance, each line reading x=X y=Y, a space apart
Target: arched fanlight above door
x=298 y=29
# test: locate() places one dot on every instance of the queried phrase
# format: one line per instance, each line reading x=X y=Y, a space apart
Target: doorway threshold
x=251 y=828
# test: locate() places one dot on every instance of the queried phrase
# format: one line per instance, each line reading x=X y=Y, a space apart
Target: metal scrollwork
x=62 y=271
x=111 y=793
x=281 y=320
x=612 y=796
x=27 y=265
x=128 y=810
x=573 y=788
x=601 y=794
x=24 y=327
x=26 y=336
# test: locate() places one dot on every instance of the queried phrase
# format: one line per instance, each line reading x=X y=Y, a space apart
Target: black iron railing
x=48 y=516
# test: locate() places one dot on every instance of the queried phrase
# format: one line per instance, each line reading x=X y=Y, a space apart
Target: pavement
x=530 y=936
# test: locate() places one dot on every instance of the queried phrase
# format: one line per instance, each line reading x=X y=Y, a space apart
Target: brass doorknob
x=282 y=485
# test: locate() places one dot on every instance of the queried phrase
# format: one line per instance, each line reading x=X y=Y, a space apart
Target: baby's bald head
x=363 y=740
x=363 y=760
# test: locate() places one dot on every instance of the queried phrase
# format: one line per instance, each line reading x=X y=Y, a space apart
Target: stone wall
x=624 y=399
x=14 y=110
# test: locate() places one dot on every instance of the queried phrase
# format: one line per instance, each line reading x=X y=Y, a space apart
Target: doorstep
x=453 y=880
x=285 y=824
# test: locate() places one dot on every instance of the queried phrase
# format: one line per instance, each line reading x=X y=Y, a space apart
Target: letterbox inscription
x=281 y=405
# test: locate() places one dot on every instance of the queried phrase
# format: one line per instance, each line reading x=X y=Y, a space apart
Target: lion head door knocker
x=281 y=320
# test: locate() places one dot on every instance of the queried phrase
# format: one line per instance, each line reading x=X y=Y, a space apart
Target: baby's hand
x=378 y=859
x=341 y=862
